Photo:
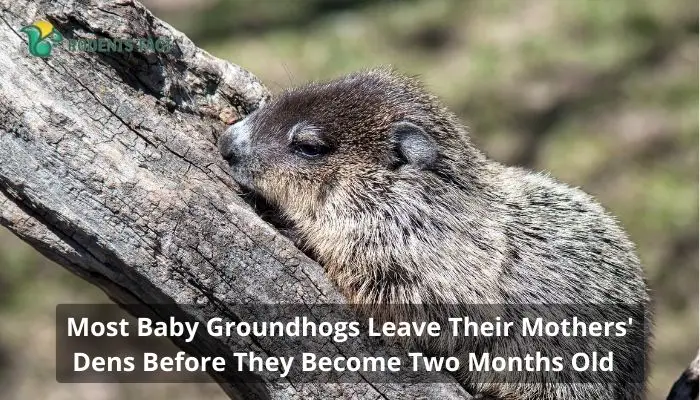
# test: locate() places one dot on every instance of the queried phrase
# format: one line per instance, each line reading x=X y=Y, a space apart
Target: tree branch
x=108 y=166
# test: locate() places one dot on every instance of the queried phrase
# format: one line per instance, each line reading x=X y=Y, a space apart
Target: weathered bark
x=108 y=166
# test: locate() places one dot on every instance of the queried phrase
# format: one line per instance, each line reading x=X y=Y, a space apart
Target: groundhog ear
x=414 y=145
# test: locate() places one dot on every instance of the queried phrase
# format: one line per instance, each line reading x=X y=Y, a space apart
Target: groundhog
x=382 y=185
x=686 y=387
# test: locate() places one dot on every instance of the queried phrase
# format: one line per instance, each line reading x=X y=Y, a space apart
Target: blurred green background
x=603 y=94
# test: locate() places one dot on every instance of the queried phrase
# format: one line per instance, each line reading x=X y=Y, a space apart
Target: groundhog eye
x=310 y=150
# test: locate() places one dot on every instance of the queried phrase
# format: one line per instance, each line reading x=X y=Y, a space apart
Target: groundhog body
x=384 y=188
x=686 y=387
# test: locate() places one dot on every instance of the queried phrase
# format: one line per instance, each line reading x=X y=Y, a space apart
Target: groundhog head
x=365 y=139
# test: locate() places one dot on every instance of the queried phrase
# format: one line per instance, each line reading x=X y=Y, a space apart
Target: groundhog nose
x=226 y=147
x=235 y=142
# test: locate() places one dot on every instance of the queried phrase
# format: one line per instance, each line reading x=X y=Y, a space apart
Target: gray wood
x=108 y=166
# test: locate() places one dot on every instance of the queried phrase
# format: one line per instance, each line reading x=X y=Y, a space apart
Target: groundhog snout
x=234 y=144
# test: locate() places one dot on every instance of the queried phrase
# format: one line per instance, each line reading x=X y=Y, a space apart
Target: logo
x=42 y=36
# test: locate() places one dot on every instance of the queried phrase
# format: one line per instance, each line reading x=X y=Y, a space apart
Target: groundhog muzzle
x=382 y=185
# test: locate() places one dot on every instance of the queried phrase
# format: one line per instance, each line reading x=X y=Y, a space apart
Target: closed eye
x=307 y=141
x=310 y=150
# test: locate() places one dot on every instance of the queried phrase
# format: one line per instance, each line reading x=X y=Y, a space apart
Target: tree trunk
x=108 y=166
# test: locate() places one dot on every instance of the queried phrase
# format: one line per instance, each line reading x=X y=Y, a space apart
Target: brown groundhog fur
x=687 y=386
x=383 y=186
